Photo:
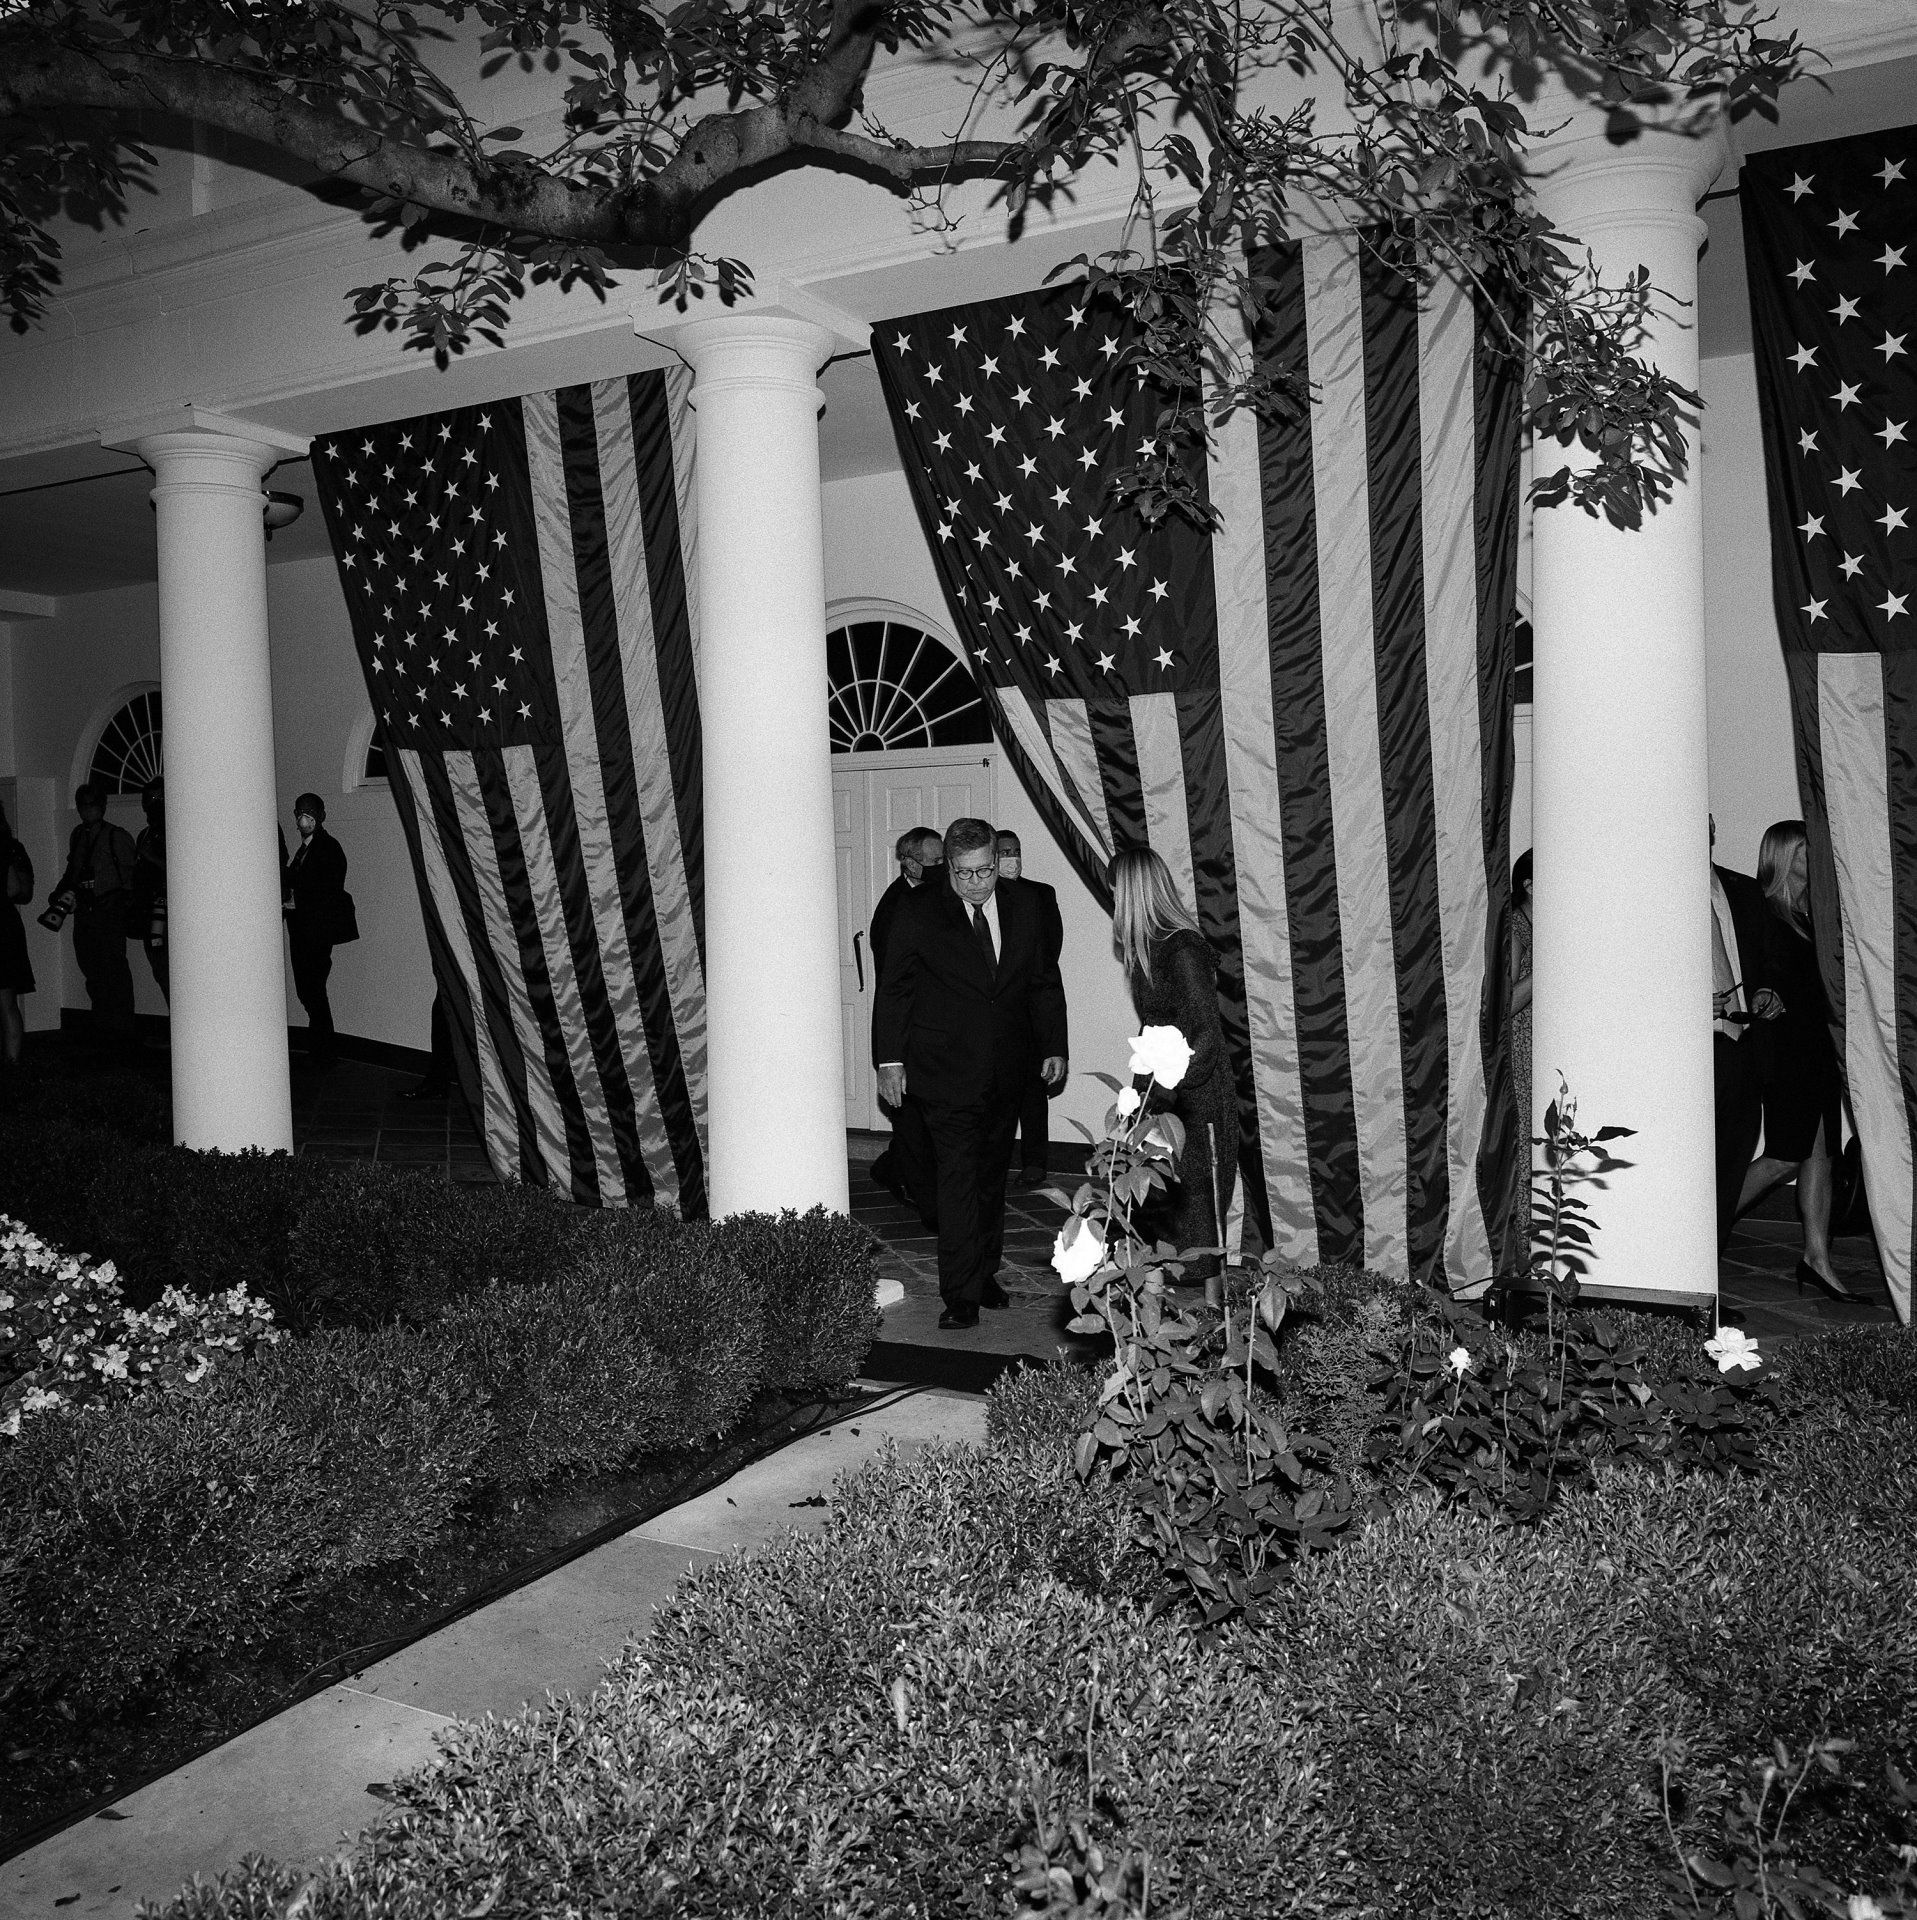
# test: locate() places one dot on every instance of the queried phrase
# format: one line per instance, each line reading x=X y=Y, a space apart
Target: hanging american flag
x=1830 y=236
x=520 y=585
x=1307 y=715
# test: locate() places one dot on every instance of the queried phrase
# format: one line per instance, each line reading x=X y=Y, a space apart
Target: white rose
x=1733 y=1347
x=1128 y=1104
x=1163 y=1052
x=1078 y=1252
x=1459 y=1361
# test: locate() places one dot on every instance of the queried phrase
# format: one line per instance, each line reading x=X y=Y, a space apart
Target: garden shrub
x=1041 y=1410
x=178 y=1523
x=814 y=1272
x=650 y=1344
x=48 y=1167
x=946 y=1699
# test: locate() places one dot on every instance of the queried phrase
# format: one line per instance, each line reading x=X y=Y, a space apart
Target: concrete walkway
x=297 y=1786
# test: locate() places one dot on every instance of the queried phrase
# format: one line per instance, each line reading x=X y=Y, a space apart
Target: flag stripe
x=652 y=659
x=573 y=680
x=1109 y=724
x=1504 y=1155
x=585 y=515
x=1161 y=783
x=484 y=819
x=1852 y=721
x=1071 y=731
x=509 y=1126
x=1394 y=446
x=547 y=918
x=1447 y=409
x=1246 y=685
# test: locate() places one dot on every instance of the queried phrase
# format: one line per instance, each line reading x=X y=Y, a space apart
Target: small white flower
x=1078 y=1251
x=1128 y=1104
x=1459 y=1361
x=1162 y=1052
x=1860 y=1906
x=1733 y=1347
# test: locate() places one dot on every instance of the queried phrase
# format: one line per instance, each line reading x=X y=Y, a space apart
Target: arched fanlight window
x=893 y=685
x=375 y=767
x=128 y=754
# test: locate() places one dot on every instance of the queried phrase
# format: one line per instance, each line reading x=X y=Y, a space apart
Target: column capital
x=196 y=429
x=1587 y=182
x=754 y=350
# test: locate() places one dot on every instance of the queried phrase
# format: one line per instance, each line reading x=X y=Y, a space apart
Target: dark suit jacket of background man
x=1034 y=1112
x=1741 y=1069
x=970 y=1040
x=906 y=1166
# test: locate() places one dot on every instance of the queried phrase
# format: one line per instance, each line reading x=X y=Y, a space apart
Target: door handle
x=858 y=959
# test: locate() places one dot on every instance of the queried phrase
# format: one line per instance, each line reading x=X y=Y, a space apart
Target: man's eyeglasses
x=972 y=873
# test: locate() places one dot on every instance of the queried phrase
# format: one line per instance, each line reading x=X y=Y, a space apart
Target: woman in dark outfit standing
x=16 y=970
x=1806 y=1090
x=1173 y=975
x=314 y=890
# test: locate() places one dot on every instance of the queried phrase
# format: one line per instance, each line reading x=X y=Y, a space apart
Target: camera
x=57 y=911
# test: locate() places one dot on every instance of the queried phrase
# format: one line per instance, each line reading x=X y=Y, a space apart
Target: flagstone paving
x=300 y=1784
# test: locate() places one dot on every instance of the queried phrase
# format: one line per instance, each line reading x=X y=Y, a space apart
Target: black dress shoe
x=953 y=1318
x=994 y=1296
x=426 y=1090
x=1035 y=1177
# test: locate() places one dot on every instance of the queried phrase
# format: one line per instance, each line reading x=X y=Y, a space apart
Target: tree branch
x=656 y=212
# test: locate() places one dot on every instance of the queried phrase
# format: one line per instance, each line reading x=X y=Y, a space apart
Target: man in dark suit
x=1034 y=1113
x=1742 y=1002
x=905 y=1167
x=969 y=1002
x=313 y=890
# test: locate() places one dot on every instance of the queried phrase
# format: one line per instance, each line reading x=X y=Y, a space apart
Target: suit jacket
x=959 y=1029
x=890 y=901
x=314 y=880
x=1050 y=918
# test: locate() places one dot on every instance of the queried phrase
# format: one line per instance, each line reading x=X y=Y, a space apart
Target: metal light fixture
x=281 y=510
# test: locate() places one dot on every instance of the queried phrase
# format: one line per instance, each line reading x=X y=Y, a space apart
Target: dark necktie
x=982 y=932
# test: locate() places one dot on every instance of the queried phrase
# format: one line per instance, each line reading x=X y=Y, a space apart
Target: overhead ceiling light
x=282 y=509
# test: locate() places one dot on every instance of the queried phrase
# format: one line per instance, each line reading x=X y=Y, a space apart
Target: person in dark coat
x=1173 y=975
x=313 y=889
x=969 y=1002
x=97 y=885
x=1744 y=1006
x=1035 y=1112
x=149 y=884
x=1803 y=1098
x=16 y=969
x=905 y=1169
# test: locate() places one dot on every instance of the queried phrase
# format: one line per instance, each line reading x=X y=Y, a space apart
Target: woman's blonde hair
x=1774 y=871
x=1145 y=906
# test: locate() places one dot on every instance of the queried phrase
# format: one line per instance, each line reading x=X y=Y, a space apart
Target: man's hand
x=892 y=1085
x=1053 y=1069
x=1768 y=1005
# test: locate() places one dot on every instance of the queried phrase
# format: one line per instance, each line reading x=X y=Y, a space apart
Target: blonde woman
x=1805 y=1088
x=1173 y=975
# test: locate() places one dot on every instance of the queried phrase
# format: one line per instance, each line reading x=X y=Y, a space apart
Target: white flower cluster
x=67 y=1338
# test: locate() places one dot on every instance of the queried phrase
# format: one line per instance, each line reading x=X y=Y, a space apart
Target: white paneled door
x=875 y=797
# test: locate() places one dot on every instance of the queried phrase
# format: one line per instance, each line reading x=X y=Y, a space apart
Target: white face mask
x=1009 y=865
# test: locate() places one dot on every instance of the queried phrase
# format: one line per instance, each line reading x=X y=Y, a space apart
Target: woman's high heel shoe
x=1808 y=1276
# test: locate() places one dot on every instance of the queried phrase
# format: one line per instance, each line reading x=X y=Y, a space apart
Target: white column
x=1622 y=946
x=775 y=1068
x=228 y=979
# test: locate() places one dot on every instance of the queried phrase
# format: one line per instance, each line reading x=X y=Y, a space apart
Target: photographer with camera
x=16 y=970
x=96 y=890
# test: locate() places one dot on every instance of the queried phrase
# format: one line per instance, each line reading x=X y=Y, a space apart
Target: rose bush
x=68 y=1338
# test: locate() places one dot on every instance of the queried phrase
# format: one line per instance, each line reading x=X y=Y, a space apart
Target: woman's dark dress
x=16 y=970
x=1183 y=993
x=1806 y=1088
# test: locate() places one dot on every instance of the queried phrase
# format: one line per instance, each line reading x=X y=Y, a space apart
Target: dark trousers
x=1034 y=1126
x=312 y=963
x=1740 y=1114
x=156 y=959
x=908 y=1165
x=99 y=944
x=973 y=1149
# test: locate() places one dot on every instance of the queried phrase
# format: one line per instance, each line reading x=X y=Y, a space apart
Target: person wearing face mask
x=905 y=1168
x=1034 y=1114
x=96 y=888
x=319 y=915
x=149 y=884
